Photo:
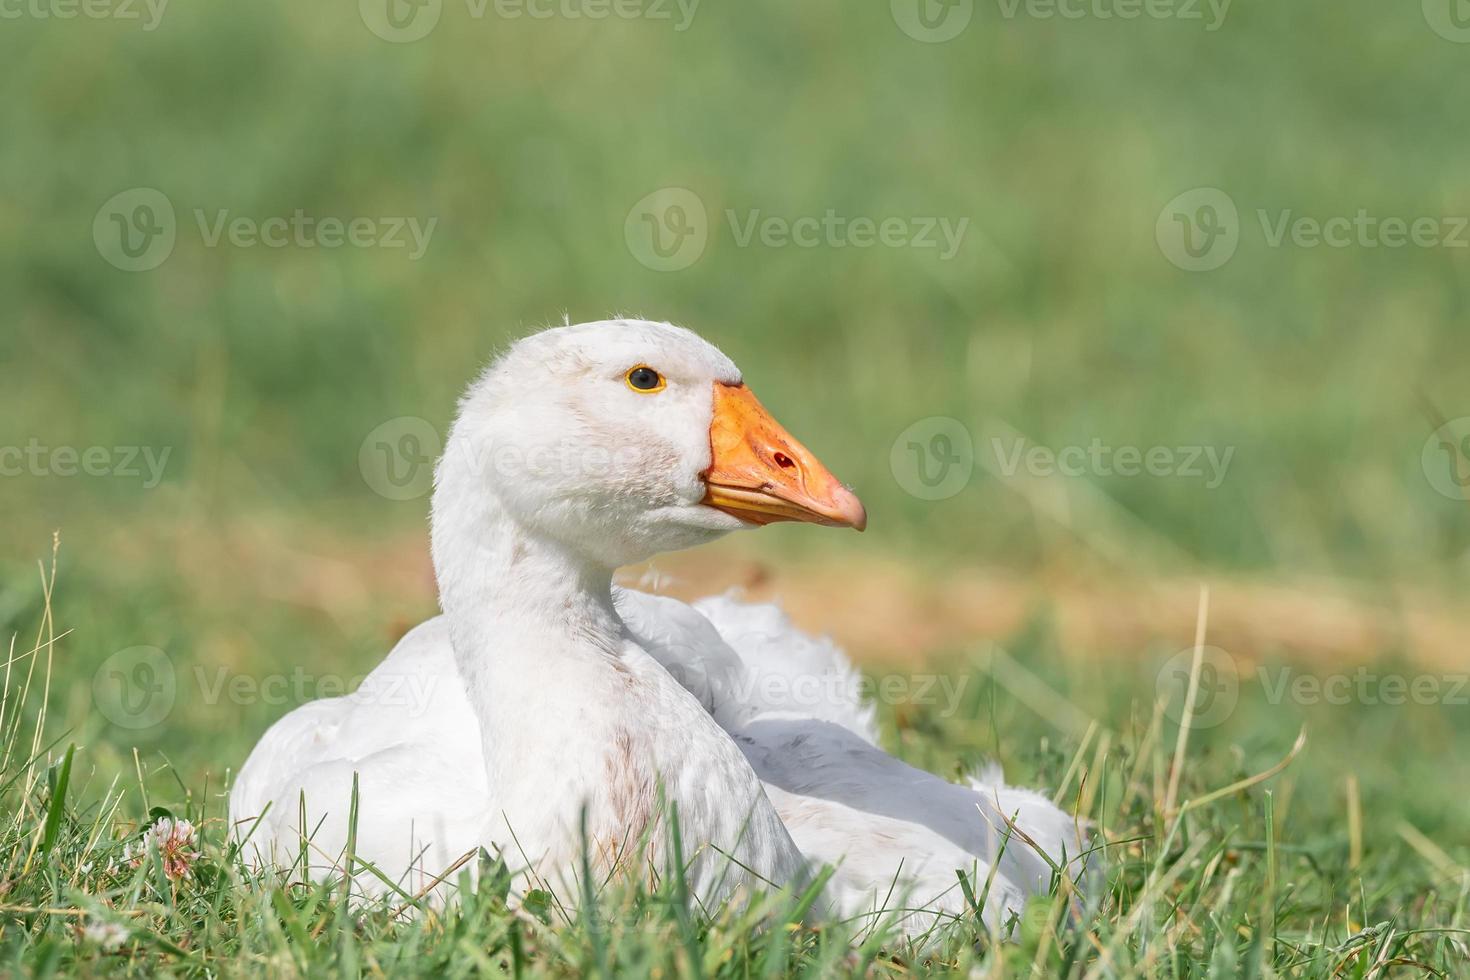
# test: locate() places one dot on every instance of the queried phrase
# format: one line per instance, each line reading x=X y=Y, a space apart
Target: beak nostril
x=784 y=461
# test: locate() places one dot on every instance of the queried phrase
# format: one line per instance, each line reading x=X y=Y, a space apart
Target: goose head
x=621 y=439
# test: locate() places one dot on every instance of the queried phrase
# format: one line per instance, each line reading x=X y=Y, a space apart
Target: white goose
x=545 y=700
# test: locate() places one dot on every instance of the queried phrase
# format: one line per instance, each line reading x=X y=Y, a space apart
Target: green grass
x=1259 y=862
x=264 y=551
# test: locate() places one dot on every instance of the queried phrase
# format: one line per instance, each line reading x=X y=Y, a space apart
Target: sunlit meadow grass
x=262 y=371
x=1269 y=846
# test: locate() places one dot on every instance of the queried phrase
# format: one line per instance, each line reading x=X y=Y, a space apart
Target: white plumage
x=546 y=703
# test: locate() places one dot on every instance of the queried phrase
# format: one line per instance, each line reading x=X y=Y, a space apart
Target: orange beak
x=760 y=474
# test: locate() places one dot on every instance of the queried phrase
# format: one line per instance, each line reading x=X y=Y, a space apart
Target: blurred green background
x=532 y=142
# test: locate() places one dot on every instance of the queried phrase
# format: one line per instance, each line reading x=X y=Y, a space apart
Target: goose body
x=547 y=712
x=895 y=834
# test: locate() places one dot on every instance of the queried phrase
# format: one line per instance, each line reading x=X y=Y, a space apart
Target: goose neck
x=500 y=580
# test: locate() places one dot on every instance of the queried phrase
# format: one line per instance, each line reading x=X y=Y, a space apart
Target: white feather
x=545 y=703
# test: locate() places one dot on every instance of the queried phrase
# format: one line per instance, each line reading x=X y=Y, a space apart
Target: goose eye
x=645 y=379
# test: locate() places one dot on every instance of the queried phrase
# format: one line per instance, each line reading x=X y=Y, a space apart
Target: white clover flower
x=174 y=840
x=108 y=935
